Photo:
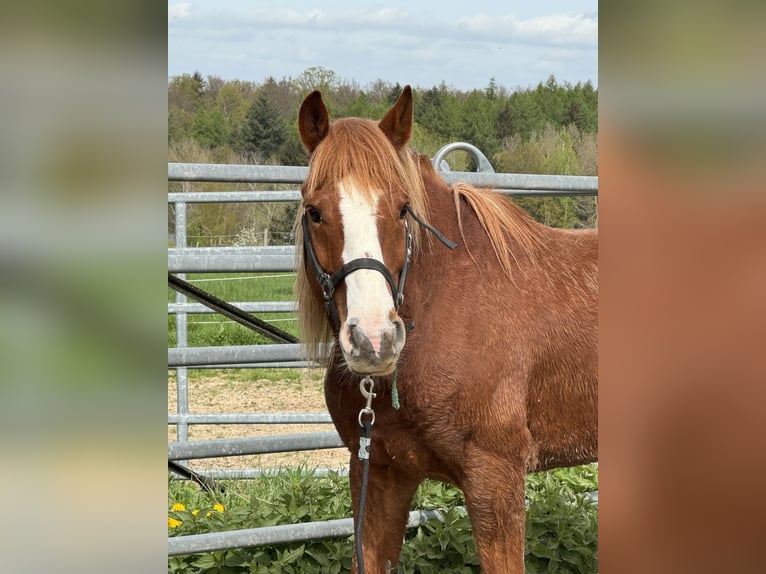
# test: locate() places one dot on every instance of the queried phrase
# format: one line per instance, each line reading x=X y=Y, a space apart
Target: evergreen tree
x=292 y=151
x=264 y=130
x=550 y=99
x=519 y=116
x=437 y=110
x=477 y=123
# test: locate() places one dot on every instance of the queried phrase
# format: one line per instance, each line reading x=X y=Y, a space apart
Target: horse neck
x=431 y=261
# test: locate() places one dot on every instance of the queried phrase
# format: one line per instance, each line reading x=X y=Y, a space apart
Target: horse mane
x=502 y=220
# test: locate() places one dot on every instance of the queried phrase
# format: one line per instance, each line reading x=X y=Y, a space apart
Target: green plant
x=562 y=524
x=562 y=521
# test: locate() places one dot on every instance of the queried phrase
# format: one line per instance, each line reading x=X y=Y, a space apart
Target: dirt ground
x=236 y=393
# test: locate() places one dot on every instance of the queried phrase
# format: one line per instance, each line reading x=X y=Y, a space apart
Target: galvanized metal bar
x=252 y=473
x=235 y=355
x=571 y=184
x=235 y=196
x=249 y=306
x=253 y=445
x=288 y=196
x=236 y=173
x=568 y=184
x=263 y=365
x=545 y=192
x=231 y=259
x=282 y=534
x=251 y=418
x=182 y=379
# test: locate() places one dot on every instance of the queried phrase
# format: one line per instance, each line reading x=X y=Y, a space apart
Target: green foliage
x=554 y=152
x=264 y=130
x=317 y=78
x=292 y=152
x=562 y=524
x=487 y=118
x=230 y=99
x=210 y=127
x=438 y=111
x=477 y=117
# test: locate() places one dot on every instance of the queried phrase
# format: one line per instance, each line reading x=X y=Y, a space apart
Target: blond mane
x=501 y=220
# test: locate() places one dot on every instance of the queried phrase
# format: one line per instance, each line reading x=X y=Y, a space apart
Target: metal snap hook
x=366 y=386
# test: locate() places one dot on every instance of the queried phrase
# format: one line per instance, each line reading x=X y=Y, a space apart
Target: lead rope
x=366 y=387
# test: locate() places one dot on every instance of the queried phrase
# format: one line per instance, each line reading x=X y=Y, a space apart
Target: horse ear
x=397 y=123
x=313 y=121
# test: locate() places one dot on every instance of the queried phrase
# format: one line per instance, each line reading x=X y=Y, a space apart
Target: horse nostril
x=360 y=344
x=386 y=343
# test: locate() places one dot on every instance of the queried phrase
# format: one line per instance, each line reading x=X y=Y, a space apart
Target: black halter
x=328 y=282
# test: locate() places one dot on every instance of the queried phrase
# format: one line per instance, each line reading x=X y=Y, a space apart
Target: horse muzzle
x=372 y=349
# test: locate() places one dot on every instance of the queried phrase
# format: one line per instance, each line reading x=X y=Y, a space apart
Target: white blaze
x=368 y=298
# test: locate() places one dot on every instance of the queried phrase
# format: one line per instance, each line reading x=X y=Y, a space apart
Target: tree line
x=550 y=128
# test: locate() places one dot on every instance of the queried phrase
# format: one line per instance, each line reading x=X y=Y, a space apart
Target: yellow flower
x=217 y=508
x=195 y=512
x=173 y=523
x=178 y=506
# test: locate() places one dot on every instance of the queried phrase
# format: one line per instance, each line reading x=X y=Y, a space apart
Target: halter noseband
x=328 y=282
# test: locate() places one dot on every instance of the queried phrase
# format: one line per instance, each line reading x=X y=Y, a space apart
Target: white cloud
x=179 y=10
x=320 y=18
x=551 y=29
x=417 y=42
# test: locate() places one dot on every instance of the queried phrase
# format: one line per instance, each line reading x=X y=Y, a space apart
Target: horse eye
x=314 y=214
x=404 y=210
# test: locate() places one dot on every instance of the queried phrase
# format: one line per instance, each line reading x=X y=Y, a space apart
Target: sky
x=424 y=43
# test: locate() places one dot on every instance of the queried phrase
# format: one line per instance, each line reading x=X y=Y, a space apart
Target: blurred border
x=682 y=208
x=82 y=254
x=83 y=152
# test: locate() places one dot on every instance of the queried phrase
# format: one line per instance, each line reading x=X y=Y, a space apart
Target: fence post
x=182 y=380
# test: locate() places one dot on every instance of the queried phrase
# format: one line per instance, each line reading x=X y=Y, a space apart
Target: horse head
x=356 y=236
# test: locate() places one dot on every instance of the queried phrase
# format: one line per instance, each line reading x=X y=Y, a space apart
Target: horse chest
x=402 y=438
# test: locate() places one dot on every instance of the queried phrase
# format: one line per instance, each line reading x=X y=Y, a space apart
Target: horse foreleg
x=389 y=493
x=494 y=493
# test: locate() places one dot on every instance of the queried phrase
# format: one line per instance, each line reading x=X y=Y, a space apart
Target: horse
x=481 y=360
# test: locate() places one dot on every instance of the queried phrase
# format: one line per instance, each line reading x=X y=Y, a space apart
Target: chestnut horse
x=483 y=360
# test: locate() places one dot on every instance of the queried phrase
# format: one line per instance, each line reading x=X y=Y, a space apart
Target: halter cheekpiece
x=328 y=282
